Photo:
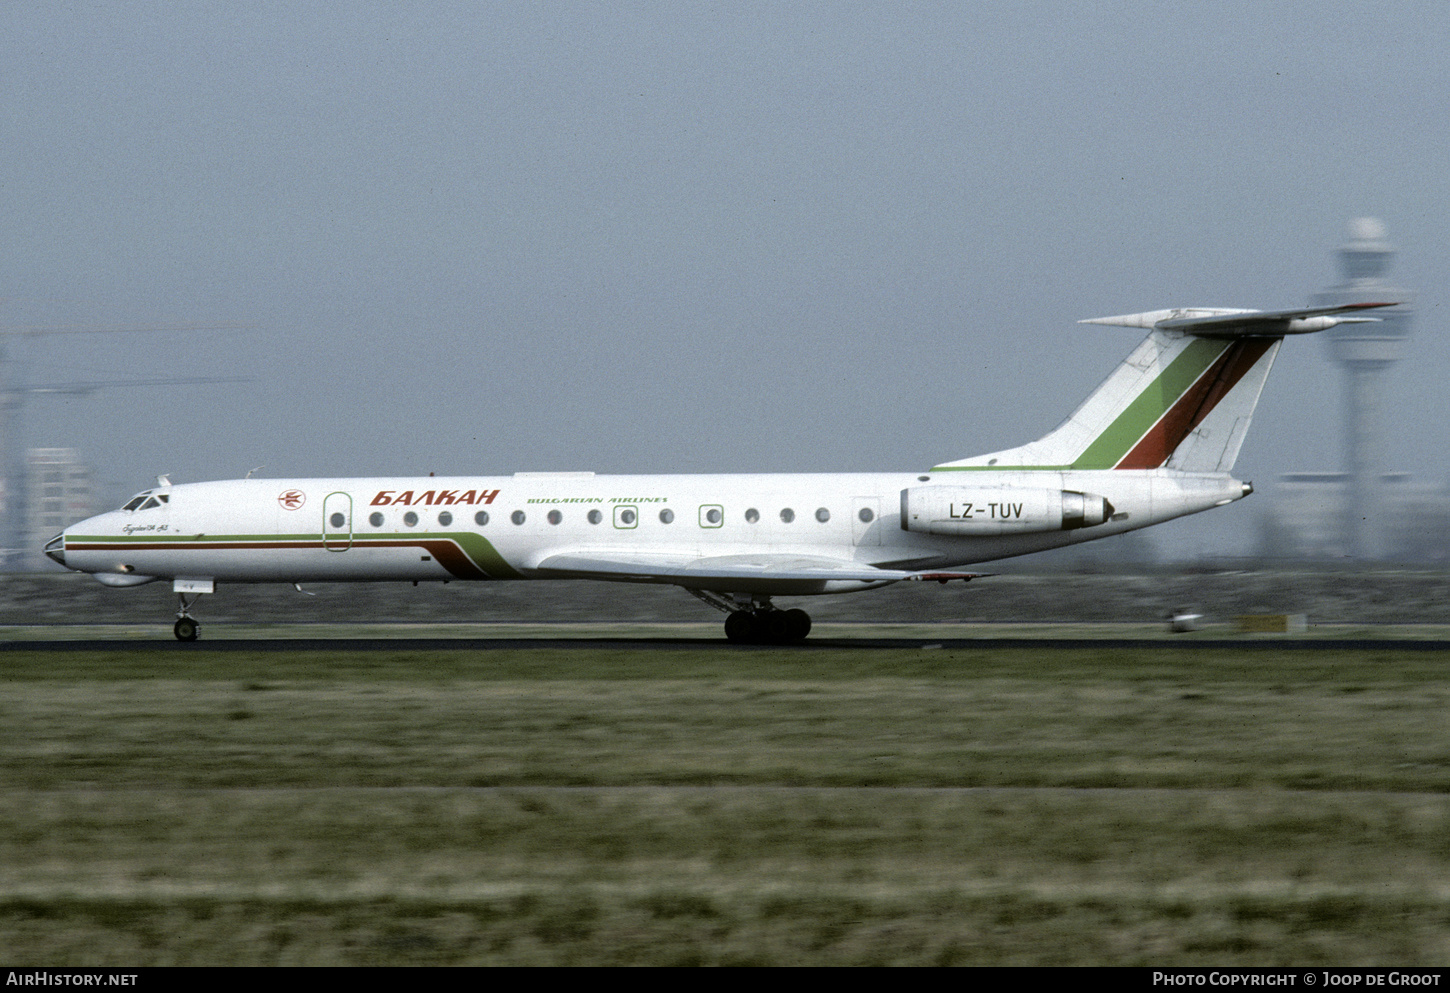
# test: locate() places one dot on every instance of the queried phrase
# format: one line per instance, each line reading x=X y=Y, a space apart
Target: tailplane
x=1182 y=400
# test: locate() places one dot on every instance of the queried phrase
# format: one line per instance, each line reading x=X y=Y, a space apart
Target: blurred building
x=1305 y=520
x=61 y=490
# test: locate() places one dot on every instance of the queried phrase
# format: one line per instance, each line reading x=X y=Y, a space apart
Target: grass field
x=1143 y=806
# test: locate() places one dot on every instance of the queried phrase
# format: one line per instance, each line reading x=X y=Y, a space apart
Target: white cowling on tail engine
x=983 y=510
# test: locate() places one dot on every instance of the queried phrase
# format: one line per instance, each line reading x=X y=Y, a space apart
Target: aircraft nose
x=55 y=548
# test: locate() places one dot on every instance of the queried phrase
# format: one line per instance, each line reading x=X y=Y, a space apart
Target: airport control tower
x=1365 y=352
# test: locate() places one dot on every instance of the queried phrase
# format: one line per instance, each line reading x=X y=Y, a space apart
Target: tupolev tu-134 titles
x=1155 y=441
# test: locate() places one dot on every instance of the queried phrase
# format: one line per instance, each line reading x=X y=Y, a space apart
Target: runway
x=641 y=644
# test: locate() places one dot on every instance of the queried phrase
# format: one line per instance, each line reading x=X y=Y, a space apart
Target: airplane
x=1155 y=441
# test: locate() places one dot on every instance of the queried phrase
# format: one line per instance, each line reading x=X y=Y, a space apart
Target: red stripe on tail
x=1197 y=403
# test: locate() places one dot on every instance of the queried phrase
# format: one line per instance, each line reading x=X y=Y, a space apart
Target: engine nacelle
x=989 y=510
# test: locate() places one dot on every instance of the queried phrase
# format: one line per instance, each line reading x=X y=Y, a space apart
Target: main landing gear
x=755 y=621
x=767 y=627
x=186 y=628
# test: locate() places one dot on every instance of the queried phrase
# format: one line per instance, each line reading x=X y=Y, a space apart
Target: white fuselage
x=503 y=527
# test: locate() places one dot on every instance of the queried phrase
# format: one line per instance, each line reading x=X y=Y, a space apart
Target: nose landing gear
x=186 y=627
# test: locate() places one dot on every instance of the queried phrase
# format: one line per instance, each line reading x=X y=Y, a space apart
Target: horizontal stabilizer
x=1207 y=322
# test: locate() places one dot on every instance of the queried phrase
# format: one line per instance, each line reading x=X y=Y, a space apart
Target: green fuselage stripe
x=476 y=549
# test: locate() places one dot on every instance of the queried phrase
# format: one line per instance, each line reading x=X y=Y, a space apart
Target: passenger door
x=337 y=522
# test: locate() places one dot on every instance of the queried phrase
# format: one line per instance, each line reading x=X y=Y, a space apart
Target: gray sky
x=681 y=237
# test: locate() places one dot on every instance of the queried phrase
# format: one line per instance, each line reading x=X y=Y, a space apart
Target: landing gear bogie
x=767 y=627
x=754 y=620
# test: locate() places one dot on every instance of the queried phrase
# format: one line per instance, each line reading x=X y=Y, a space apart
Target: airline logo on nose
x=291 y=499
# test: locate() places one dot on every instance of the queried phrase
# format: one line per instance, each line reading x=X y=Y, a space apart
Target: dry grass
x=1140 y=807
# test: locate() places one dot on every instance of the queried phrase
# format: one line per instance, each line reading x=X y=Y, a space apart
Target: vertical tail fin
x=1182 y=400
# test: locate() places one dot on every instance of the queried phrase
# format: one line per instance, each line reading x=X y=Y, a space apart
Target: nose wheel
x=186 y=627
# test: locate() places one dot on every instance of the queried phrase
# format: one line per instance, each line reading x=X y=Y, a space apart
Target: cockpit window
x=146 y=500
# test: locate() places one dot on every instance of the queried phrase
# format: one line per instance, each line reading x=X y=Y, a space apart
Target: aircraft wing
x=712 y=571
